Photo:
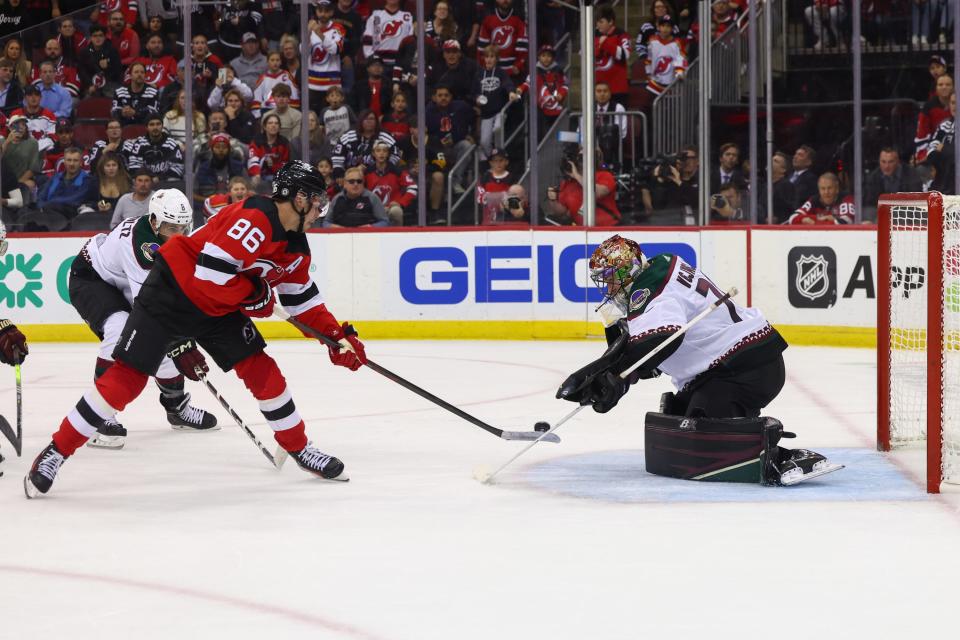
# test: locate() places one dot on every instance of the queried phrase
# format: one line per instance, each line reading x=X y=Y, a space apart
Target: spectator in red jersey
x=565 y=203
x=398 y=121
x=124 y=39
x=935 y=111
x=161 y=69
x=65 y=75
x=394 y=186
x=551 y=89
x=493 y=184
x=71 y=41
x=106 y=8
x=53 y=159
x=100 y=69
x=723 y=16
x=508 y=31
x=829 y=206
x=611 y=46
x=268 y=152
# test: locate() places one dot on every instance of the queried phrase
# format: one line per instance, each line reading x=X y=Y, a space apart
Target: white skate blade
x=796 y=476
x=343 y=477
x=280 y=457
x=100 y=441
x=29 y=489
x=185 y=429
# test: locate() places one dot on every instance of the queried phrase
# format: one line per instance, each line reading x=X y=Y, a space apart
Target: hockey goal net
x=918 y=329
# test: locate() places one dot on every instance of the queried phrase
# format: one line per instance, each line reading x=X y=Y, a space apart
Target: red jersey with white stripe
x=843 y=210
x=509 y=33
x=611 y=58
x=217 y=265
x=160 y=71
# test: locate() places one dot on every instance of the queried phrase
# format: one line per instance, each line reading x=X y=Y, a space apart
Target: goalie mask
x=170 y=213
x=614 y=266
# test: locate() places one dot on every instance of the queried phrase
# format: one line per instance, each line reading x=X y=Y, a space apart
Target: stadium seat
x=131 y=131
x=94 y=108
x=86 y=133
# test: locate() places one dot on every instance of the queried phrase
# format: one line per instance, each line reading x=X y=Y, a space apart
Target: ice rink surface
x=182 y=536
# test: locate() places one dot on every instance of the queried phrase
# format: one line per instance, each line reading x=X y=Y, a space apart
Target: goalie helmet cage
x=918 y=329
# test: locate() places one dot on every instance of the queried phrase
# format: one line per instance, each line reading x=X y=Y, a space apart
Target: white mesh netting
x=908 y=331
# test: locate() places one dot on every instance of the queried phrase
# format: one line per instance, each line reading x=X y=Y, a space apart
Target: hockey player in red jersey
x=207 y=286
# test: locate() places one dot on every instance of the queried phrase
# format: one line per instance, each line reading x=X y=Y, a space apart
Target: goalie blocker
x=727 y=450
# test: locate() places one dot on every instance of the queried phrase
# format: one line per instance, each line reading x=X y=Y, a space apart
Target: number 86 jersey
x=668 y=294
x=218 y=265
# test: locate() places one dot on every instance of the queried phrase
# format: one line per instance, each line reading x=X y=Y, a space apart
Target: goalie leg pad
x=714 y=449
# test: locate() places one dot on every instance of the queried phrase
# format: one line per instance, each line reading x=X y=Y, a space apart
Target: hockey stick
x=223 y=403
x=487 y=477
x=536 y=436
x=7 y=431
x=19 y=443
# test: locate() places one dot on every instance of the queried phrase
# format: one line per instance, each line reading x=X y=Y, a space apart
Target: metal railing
x=675 y=111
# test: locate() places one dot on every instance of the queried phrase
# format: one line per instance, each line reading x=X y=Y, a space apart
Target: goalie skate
x=803 y=465
x=110 y=435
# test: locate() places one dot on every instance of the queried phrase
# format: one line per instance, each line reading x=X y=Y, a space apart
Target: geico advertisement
x=816 y=277
x=502 y=275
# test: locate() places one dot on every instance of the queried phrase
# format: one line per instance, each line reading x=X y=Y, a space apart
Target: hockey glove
x=351 y=353
x=13 y=344
x=606 y=391
x=576 y=388
x=259 y=304
x=188 y=360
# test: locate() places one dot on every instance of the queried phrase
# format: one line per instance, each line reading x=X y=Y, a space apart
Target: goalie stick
x=535 y=436
x=486 y=477
x=275 y=460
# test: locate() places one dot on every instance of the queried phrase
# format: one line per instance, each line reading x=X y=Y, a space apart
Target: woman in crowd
x=268 y=152
x=442 y=27
x=112 y=182
x=241 y=124
x=175 y=120
x=22 y=68
x=317 y=141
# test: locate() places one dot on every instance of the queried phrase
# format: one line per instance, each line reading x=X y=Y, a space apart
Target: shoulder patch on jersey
x=145 y=242
x=638 y=298
x=650 y=283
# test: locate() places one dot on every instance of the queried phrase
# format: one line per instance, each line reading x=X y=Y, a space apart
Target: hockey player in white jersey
x=726 y=367
x=106 y=276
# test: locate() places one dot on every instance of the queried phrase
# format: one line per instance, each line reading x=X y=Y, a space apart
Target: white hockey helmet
x=170 y=205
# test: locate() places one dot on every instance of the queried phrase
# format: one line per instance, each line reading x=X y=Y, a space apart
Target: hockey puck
x=542 y=426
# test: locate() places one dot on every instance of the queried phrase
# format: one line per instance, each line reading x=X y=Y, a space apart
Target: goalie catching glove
x=351 y=353
x=188 y=359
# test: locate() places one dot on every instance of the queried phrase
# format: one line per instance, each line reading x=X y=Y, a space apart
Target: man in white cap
x=251 y=63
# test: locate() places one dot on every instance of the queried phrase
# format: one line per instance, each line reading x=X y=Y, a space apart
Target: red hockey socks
x=262 y=377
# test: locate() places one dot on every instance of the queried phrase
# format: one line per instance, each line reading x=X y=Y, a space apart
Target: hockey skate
x=43 y=471
x=110 y=435
x=184 y=417
x=318 y=463
x=800 y=465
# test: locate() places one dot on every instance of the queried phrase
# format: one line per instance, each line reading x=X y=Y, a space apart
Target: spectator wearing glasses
x=356 y=206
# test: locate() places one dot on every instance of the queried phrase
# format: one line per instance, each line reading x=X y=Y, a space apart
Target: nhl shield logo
x=812 y=278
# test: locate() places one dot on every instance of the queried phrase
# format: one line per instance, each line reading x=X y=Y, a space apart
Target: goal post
x=918 y=329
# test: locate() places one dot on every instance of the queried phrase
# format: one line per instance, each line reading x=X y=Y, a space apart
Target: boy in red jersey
x=206 y=287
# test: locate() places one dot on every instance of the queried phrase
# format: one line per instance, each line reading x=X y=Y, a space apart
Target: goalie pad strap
x=713 y=449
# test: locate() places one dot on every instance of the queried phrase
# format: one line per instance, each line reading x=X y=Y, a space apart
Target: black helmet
x=296 y=176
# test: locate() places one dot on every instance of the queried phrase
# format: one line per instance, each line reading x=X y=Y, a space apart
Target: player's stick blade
x=529 y=436
x=7 y=431
x=483 y=474
x=821 y=468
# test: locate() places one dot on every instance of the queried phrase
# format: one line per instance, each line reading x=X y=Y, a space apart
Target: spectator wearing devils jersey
x=41 y=123
x=124 y=39
x=155 y=151
x=395 y=188
x=666 y=59
x=208 y=285
x=138 y=101
x=385 y=30
x=508 y=31
x=935 y=111
x=355 y=147
x=53 y=159
x=649 y=28
x=830 y=206
x=263 y=93
x=493 y=184
x=398 y=121
x=126 y=8
x=326 y=47
x=237 y=18
x=160 y=69
x=611 y=48
x=268 y=152
x=65 y=75
x=552 y=88
x=100 y=66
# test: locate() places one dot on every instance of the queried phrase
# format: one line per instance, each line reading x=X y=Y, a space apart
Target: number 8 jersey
x=667 y=295
x=218 y=265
